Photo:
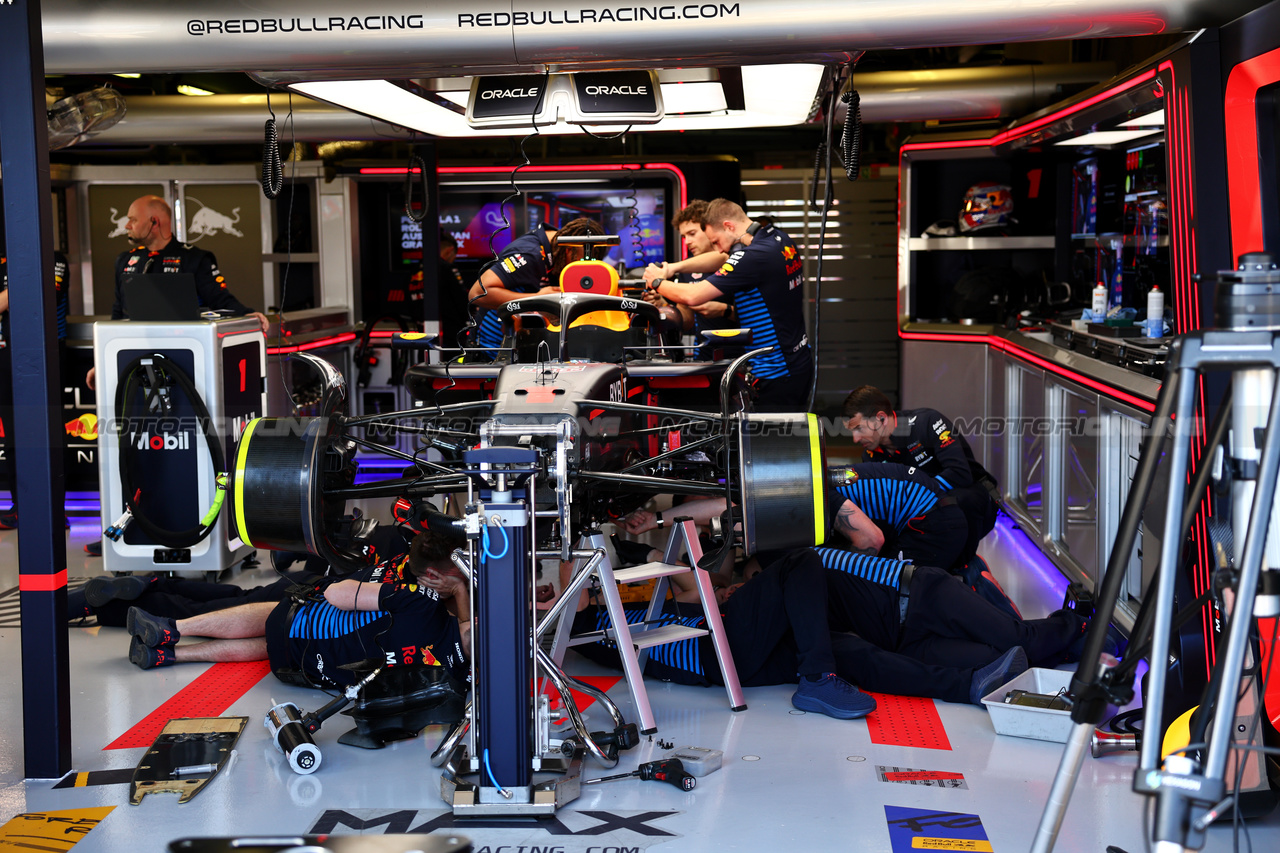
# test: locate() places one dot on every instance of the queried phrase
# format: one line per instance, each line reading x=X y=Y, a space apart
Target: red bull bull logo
x=85 y=427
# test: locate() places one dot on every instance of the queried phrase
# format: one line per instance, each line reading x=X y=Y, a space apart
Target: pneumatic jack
x=291 y=730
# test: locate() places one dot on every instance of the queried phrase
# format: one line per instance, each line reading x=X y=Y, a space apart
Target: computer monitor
x=160 y=297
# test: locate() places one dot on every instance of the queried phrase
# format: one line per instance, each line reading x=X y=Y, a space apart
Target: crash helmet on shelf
x=986 y=205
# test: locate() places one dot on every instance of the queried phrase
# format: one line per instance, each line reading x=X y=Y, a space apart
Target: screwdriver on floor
x=669 y=770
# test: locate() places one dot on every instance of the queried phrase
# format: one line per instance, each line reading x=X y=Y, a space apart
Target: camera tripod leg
x=1086 y=689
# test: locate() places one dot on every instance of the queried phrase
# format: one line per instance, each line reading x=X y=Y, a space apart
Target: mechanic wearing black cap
x=764 y=276
x=529 y=264
x=925 y=439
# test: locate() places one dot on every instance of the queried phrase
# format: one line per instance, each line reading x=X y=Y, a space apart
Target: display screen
x=476 y=222
x=475 y=219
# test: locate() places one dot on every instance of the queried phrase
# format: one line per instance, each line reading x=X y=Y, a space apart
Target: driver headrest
x=596 y=277
x=590 y=277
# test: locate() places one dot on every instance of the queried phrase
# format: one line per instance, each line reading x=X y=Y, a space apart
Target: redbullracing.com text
x=607 y=15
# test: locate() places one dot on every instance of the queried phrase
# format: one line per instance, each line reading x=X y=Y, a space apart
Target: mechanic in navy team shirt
x=764 y=275
x=529 y=264
x=925 y=439
x=690 y=223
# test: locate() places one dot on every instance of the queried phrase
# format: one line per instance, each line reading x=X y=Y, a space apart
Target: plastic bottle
x=1099 y=307
x=1155 y=312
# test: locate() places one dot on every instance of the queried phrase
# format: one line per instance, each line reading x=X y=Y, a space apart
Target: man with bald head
x=150 y=225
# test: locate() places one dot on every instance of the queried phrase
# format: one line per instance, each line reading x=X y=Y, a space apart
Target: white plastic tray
x=1024 y=721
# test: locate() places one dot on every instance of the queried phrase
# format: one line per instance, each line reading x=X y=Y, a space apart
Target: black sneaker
x=9 y=520
x=144 y=657
x=833 y=696
x=101 y=590
x=94 y=548
x=154 y=631
x=1000 y=671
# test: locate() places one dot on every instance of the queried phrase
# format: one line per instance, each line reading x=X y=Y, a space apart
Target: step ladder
x=634 y=641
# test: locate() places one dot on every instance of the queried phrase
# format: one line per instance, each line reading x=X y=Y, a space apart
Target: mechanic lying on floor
x=919 y=632
x=414 y=609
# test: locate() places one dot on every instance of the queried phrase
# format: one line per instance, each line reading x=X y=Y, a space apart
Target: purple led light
x=1047 y=575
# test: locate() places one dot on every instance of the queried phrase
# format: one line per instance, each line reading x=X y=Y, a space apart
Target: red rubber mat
x=208 y=696
x=907 y=721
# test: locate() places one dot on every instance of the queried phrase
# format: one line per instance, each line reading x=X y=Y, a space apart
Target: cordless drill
x=669 y=770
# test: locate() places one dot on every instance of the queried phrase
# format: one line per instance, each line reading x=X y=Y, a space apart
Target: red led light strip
x=317 y=344
x=1018 y=132
x=1187 y=316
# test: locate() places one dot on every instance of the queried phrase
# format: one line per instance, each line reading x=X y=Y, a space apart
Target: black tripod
x=1247 y=343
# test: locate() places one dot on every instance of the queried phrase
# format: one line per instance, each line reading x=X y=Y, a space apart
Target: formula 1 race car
x=545 y=445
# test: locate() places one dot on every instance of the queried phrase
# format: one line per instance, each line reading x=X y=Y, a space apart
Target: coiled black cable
x=272 y=170
x=415 y=161
x=851 y=136
x=633 y=219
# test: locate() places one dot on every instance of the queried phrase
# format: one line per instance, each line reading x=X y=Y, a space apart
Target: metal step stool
x=634 y=642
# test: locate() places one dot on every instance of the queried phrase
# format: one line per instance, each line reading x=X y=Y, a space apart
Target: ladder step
x=666 y=634
x=642 y=638
x=647 y=571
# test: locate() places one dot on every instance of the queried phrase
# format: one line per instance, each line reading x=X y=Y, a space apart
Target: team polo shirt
x=410 y=626
x=925 y=439
x=766 y=282
x=175 y=257
x=890 y=493
x=524 y=266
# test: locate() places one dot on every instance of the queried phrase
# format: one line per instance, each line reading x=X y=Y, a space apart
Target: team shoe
x=144 y=657
x=101 y=590
x=999 y=672
x=832 y=695
x=94 y=548
x=154 y=631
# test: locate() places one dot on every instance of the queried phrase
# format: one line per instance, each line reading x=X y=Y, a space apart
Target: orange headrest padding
x=595 y=277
